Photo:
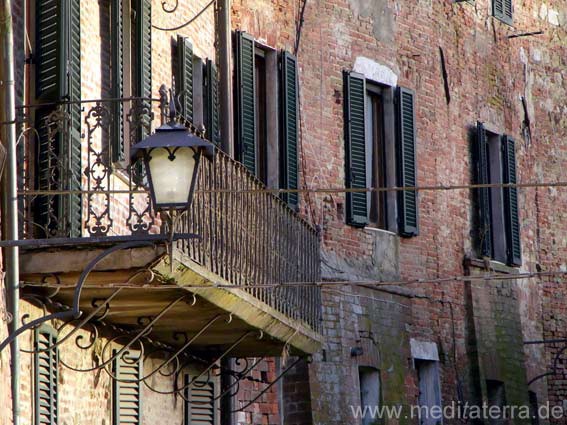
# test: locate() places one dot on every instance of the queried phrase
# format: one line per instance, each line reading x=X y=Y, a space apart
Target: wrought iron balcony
x=69 y=187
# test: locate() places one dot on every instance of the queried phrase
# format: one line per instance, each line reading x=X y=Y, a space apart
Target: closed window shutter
x=211 y=91
x=245 y=101
x=144 y=58
x=118 y=148
x=408 y=214
x=480 y=155
x=58 y=78
x=502 y=9
x=50 y=58
x=127 y=389
x=199 y=403
x=511 y=212
x=45 y=377
x=74 y=137
x=289 y=126
x=355 y=148
x=185 y=77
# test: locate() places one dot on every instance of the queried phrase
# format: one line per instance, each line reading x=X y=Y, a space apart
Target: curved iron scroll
x=555 y=365
x=75 y=312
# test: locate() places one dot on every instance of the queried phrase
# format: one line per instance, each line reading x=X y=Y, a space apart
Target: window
x=370 y=392
x=131 y=68
x=261 y=115
x=196 y=89
x=375 y=156
x=498 y=233
x=199 y=402
x=380 y=138
x=496 y=397
x=126 y=389
x=503 y=10
x=266 y=117
x=57 y=77
x=429 y=391
x=46 y=364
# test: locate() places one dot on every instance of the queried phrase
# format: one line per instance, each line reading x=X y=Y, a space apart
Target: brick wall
x=86 y=397
x=265 y=411
x=487 y=74
x=5 y=375
x=376 y=323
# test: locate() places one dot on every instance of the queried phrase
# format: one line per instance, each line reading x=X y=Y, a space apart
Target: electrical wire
x=558 y=184
x=390 y=188
x=322 y=284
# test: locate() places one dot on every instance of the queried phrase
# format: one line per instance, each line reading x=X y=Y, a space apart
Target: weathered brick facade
x=478 y=327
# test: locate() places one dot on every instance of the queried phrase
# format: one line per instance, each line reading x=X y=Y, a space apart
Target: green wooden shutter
x=289 y=127
x=143 y=87
x=117 y=144
x=46 y=364
x=355 y=148
x=408 y=214
x=511 y=211
x=127 y=389
x=482 y=176
x=245 y=101
x=49 y=57
x=185 y=77
x=58 y=78
x=199 y=403
x=211 y=91
x=503 y=10
x=74 y=204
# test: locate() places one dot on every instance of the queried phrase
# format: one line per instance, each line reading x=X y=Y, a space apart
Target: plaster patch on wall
x=383 y=27
x=553 y=17
x=376 y=72
x=424 y=350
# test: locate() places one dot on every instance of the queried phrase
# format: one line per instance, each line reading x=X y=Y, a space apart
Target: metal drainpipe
x=9 y=192
x=225 y=70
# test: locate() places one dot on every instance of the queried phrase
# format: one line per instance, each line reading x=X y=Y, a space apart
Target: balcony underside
x=146 y=287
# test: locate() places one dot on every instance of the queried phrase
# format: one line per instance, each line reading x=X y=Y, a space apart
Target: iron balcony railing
x=70 y=187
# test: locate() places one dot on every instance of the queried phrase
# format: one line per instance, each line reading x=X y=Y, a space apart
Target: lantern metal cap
x=173 y=135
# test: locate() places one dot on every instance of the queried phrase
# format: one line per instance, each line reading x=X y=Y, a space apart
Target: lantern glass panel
x=171 y=174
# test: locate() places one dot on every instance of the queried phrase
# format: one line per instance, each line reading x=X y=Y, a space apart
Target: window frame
x=376 y=158
x=431 y=367
x=373 y=373
x=500 y=246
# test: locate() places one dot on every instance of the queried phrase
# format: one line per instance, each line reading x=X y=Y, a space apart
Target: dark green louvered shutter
x=355 y=148
x=502 y=9
x=185 y=77
x=126 y=389
x=118 y=149
x=58 y=78
x=45 y=377
x=199 y=403
x=511 y=212
x=50 y=78
x=408 y=214
x=289 y=126
x=482 y=176
x=211 y=91
x=74 y=142
x=245 y=101
x=143 y=87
